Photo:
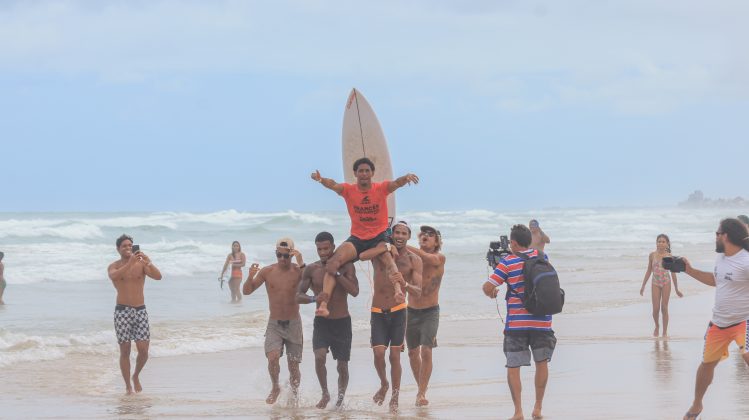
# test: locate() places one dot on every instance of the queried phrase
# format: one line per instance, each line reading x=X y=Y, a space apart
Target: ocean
x=59 y=301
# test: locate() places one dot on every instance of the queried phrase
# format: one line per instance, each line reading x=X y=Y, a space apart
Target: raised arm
x=701 y=276
x=304 y=284
x=348 y=279
x=427 y=258
x=399 y=182
x=414 y=286
x=327 y=182
x=118 y=274
x=254 y=279
x=148 y=267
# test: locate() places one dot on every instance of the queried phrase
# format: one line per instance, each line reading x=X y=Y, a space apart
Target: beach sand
x=606 y=366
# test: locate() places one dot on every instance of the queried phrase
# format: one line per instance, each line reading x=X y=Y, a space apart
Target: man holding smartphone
x=128 y=275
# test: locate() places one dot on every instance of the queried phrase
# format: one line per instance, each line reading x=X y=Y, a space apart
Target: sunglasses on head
x=280 y=255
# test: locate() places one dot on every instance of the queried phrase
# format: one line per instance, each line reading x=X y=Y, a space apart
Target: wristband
x=312 y=299
x=303 y=265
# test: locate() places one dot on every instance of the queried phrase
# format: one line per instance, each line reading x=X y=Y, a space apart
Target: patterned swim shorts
x=131 y=323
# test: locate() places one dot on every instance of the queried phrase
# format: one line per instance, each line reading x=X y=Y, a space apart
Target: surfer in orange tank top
x=367 y=207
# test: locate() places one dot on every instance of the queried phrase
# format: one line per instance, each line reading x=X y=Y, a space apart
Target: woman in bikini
x=237 y=259
x=661 y=286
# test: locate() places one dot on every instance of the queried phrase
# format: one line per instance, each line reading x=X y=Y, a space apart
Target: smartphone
x=136 y=249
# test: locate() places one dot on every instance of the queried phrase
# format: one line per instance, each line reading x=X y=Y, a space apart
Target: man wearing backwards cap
x=388 y=318
x=284 y=324
x=367 y=207
x=424 y=310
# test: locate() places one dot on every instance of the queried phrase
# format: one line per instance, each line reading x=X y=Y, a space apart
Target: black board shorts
x=333 y=334
x=388 y=328
x=362 y=245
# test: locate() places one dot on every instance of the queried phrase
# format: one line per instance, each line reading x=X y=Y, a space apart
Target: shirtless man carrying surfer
x=128 y=275
x=333 y=332
x=424 y=310
x=284 y=324
x=367 y=207
x=388 y=317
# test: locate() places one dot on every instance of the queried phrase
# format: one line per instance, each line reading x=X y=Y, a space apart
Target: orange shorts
x=717 y=340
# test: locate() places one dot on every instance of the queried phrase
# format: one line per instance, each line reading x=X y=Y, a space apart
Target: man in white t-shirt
x=731 y=310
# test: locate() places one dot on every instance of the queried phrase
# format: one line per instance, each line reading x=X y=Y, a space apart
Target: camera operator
x=731 y=310
x=524 y=333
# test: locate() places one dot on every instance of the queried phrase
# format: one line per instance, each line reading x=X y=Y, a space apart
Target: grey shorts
x=131 y=323
x=285 y=333
x=421 y=327
x=518 y=346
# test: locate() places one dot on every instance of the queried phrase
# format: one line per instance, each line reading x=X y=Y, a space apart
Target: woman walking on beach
x=237 y=259
x=661 y=286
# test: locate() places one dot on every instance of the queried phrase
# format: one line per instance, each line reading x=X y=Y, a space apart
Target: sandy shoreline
x=606 y=365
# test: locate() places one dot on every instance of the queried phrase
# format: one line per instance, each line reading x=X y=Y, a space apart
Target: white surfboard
x=363 y=137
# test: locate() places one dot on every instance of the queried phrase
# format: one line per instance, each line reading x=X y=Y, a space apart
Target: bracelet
x=303 y=265
x=312 y=299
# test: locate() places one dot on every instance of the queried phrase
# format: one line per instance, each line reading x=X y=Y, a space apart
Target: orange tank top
x=368 y=210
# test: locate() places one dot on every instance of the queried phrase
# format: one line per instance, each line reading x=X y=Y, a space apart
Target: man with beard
x=730 y=278
x=334 y=331
x=424 y=310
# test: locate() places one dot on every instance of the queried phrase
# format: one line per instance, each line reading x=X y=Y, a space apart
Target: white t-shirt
x=731 y=289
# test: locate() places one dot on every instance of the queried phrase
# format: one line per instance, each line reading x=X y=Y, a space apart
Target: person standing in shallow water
x=661 y=285
x=237 y=259
x=128 y=275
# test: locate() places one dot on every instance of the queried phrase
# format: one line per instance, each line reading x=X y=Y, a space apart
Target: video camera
x=674 y=264
x=497 y=251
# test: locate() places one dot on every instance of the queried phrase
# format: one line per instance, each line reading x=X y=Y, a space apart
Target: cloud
x=631 y=57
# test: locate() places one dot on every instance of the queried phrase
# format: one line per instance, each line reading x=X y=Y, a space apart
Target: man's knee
x=414 y=353
x=379 y=352
x=125 y=349
x=320 y=357
x=273 y=356
x=426 y=353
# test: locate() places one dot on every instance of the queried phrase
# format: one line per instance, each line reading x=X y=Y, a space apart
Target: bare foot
x=693 y=412
x=379 y=397
x=323 y=401
x=128 y=391
x=537 y=413
x=656 y=331
x=394 y=403
x=322 y=310
x=136 y=384
x=421 y=400
x=517 y=417
x=273 y=396
x=339 y=403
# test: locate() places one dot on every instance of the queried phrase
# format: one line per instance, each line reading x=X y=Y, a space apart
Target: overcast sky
x=201 y=106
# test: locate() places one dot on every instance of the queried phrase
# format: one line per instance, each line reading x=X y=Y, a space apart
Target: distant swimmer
x=730 y=277
x=284 y=327
x=424 y=310
x=3 y=283
x=237 y=259
x=388 y=318
x=661 y=286
x=539 y=237
x=334 y=332
x=367 y=207
x=128 y=275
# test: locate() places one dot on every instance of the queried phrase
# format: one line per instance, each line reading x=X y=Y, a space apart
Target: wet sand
x=606 y=366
